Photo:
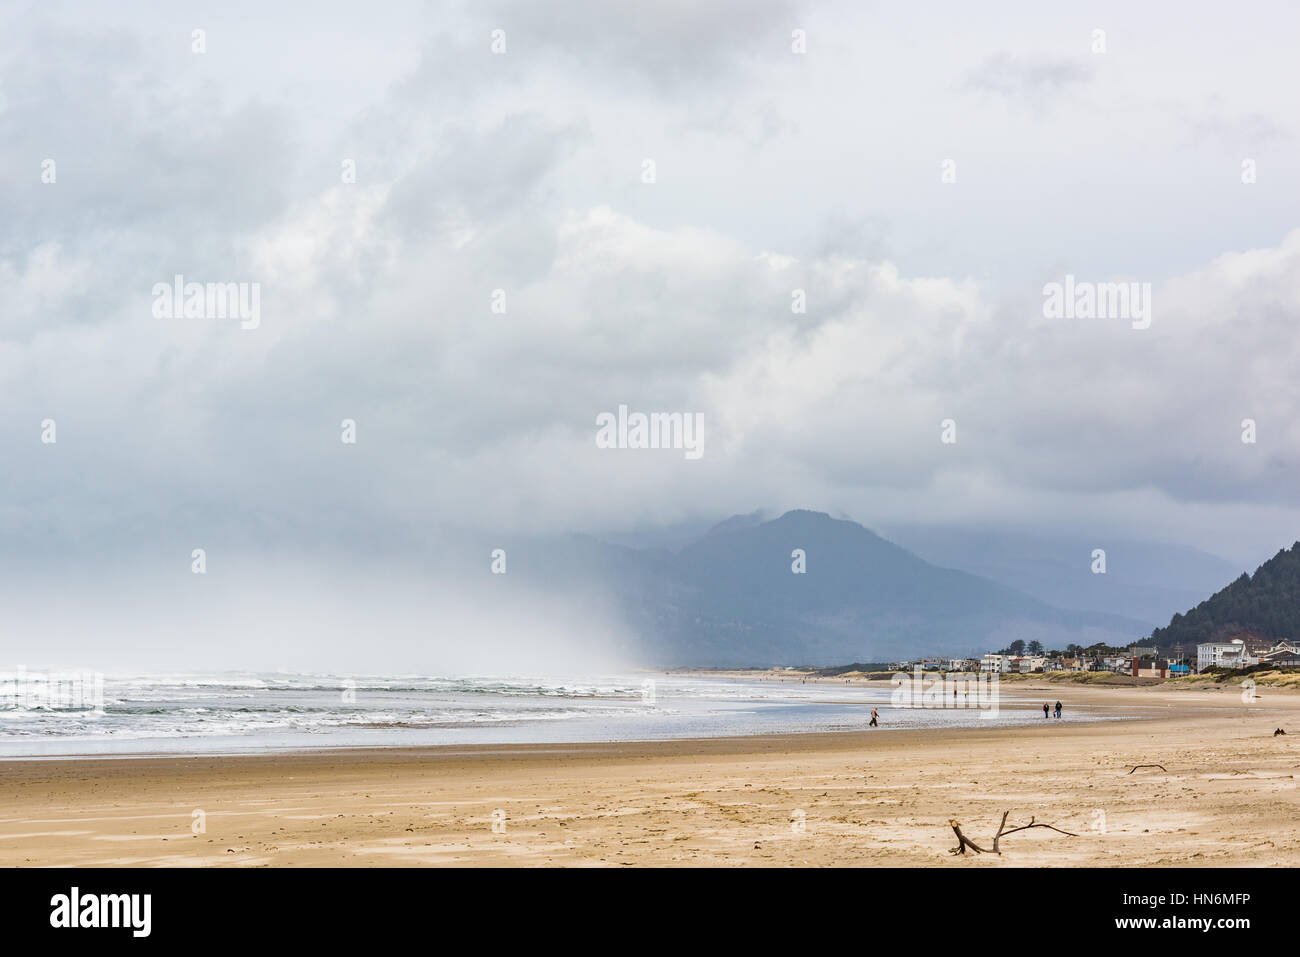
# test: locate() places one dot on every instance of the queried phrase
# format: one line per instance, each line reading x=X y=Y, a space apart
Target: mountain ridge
x=731 y=598
x=1265 y=604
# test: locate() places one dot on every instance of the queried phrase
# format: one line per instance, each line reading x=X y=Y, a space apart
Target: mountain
x=730 y=599
x=1147 y=581
x=737 y=523
x=1265 y=604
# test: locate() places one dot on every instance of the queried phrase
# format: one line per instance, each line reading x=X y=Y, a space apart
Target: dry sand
x=1229 y=797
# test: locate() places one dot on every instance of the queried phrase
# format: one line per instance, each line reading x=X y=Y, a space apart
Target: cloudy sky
x=524 y=171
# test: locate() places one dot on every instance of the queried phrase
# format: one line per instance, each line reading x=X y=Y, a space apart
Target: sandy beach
x=1228 y=796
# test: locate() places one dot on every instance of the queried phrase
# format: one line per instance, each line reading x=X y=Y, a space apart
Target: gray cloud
x=521 y=173
x=1035 y=81
x=669 y=45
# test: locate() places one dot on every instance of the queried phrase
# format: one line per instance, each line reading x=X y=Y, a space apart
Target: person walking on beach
x=1045 y=709
x=1058 y=709
x=874 y=715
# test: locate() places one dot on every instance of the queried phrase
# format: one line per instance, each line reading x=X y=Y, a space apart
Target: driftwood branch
x=1024 y=827
x=964 y=842
x=1160 y=766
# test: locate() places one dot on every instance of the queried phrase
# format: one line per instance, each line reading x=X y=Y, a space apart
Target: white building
x=996 y=664
x=1223 y=654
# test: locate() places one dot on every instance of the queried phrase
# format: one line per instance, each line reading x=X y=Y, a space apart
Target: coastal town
x=1140 y=661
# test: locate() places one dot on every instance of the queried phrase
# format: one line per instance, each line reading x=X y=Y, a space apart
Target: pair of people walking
x=1047 y=707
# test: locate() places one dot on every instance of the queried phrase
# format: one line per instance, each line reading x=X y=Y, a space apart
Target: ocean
x=248 y=712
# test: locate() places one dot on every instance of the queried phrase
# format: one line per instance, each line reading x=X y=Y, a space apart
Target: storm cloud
x=498 y=272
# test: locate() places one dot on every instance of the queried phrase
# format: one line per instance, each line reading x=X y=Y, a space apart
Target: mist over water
x=303 y=616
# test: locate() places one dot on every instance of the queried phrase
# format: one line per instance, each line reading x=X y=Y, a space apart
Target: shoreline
x=826 y=711
x=1227 y=797
x=1018 y=702
x=521 y=746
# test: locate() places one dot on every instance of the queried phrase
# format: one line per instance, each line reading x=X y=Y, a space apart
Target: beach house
x=1284 y=654
x=995 y=664
x=1149 y=667
x=1223 y=654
